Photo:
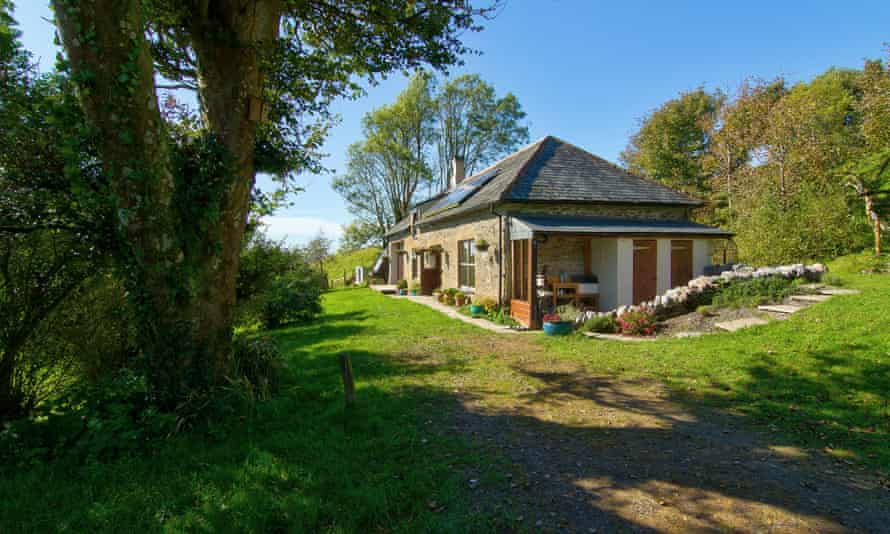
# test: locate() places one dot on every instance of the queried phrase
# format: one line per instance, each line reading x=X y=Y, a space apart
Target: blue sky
x=587 y=71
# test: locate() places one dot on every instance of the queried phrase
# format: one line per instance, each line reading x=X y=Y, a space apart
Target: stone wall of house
x=446 y=234
x=561 y=255
x=673 y=213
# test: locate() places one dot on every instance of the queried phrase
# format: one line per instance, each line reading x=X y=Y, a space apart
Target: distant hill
x=341 y=263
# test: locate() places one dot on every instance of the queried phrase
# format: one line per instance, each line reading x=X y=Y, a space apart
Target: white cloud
x=299 y=230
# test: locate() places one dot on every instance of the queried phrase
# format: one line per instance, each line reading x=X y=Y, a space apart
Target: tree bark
x=184 y=293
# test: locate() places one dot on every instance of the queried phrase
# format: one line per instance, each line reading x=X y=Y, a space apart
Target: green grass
x=820 y=378
x=341 y=263
x=300 y=463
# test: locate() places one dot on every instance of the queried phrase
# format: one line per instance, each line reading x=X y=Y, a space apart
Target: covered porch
x=599 y=263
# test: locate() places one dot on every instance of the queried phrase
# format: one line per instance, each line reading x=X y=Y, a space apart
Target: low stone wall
x=682 y=299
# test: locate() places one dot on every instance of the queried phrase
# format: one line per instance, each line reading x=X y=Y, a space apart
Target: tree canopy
x=264 y=73
x=786 y=167
x=409 y=145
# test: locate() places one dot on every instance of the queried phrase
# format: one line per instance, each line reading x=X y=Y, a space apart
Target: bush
x=90 y=422
x=415 y=286
x=489 y=304
x=637 y=323
x=293 y=297
x=604 y=324
x=753 y=292
x=258 y=363
x=402 y=284
x=568 y=312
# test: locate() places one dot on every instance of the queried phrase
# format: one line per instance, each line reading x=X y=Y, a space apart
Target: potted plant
x=477 y=308
x=555 y=325
x=482 y=245
x=402 y=286
x=415 y=288
x=460 y=298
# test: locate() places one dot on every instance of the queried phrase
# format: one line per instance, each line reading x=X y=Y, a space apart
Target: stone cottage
x=548 y=224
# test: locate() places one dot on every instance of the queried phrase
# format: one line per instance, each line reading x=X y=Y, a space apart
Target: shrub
x=753 y=292
x=502 y=317
x=637 y=323
x=705 y=309
x=568 y=312
x=293 y=297
x=258 y=362
x=89 y=422
x=415 y=286
x=402 y=284
x=489 y=304
x=604 y=324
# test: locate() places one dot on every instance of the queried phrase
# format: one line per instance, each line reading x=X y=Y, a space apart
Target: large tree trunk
x=184 y=288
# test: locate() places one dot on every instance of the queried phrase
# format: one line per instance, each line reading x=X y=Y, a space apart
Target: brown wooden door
x=681 y=262
x=431 y=275
x=645 y=269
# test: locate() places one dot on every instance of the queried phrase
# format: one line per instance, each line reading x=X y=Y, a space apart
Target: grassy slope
x=821 y=378
x=347 y=262
x=299 y=464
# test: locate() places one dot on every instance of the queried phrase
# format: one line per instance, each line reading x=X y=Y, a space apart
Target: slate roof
x=552 y=170
x=604 y=225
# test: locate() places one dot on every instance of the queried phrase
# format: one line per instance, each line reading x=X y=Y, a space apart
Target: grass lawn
x=821 y=378
x=299 y=463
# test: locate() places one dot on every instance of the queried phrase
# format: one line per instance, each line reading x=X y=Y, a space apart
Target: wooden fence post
x=348 y=383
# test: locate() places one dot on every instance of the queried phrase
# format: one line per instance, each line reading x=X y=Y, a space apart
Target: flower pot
x=403 y=292
x=413 y=292
x=557 y=328
x=460 y=300
x=477 y=309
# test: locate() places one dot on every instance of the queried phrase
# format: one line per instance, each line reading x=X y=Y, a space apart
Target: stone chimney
x=457 y=171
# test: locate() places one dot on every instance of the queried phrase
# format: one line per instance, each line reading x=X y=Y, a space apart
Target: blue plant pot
x=557 y=328
x=477 y=309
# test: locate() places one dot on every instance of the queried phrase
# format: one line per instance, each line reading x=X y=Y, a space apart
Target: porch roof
x=522 y=226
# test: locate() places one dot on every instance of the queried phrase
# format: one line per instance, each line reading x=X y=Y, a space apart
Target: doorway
x=645 y=270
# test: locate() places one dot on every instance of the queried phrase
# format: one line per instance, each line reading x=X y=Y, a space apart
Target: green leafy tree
x=358 y=235
x=317 y=251
x=672 y=142
x=869 y=175
x=54 y=221
x=264 y=72
x=475 y=125
x=390 y=168
x=385 y=171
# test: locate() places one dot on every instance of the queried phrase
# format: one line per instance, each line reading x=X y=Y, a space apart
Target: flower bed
x=700 y=290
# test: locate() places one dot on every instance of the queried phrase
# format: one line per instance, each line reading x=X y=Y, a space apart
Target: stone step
x=812 y=299
x=831 y=291
x=780 y=308
x=616 y=337
x=738 y=324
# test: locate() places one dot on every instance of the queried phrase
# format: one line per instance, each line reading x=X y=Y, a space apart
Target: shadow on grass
x=841 y=398
x=572 y=453
x=591 y=452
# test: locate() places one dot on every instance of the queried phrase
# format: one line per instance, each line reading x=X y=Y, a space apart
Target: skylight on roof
x=462 y=192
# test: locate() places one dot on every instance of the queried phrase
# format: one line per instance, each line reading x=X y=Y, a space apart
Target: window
x=466 y=263
x=413 y=266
